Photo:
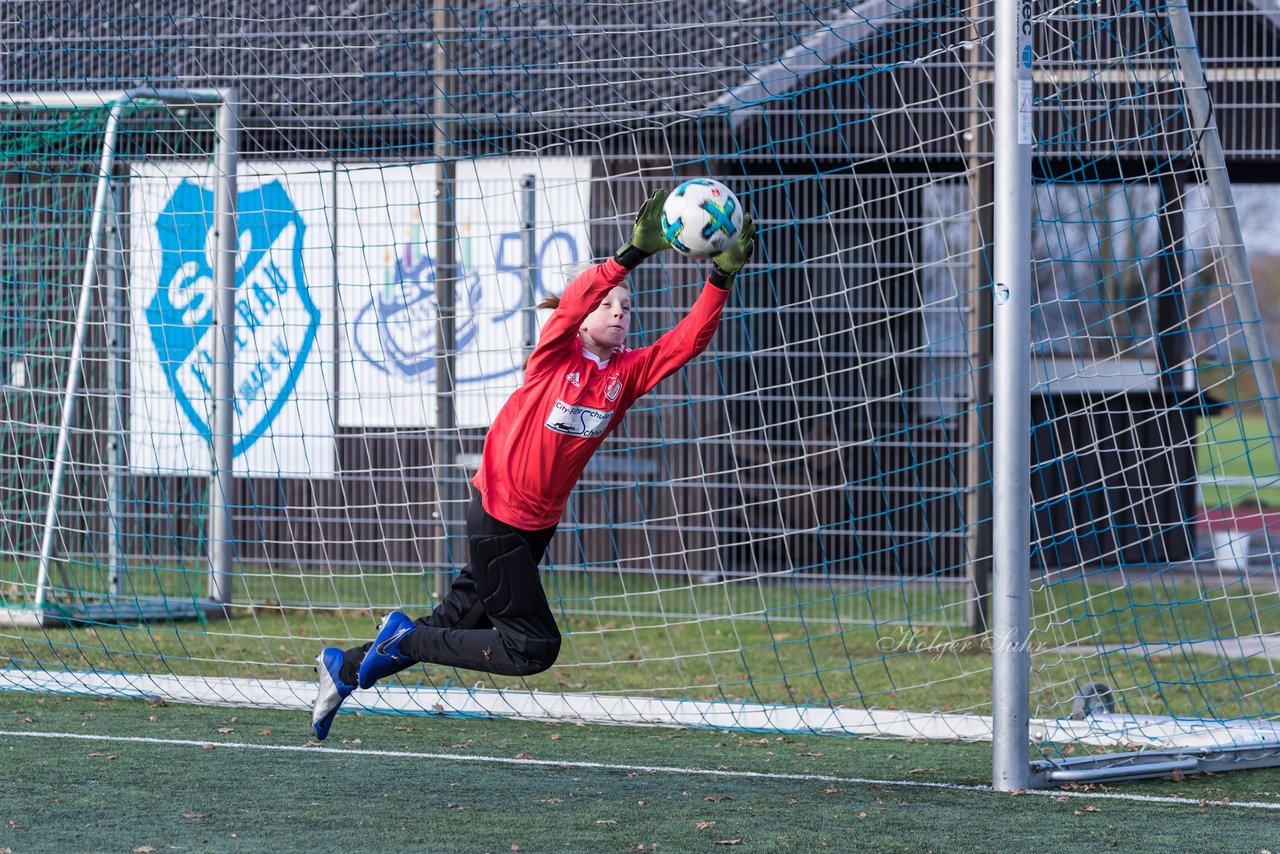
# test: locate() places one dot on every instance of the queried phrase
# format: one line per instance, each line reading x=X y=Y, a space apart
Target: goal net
x=72 y=505
x=791 y=534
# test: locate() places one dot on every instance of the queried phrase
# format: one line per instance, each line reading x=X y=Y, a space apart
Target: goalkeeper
x=579 y=382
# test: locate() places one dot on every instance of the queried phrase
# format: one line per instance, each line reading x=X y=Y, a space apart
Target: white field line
x=1107 y=730
x=648 y=769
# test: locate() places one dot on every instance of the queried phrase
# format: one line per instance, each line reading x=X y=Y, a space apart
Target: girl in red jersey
x=579 y=382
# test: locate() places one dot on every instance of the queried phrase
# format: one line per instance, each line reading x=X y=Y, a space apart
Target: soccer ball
x=701 y=217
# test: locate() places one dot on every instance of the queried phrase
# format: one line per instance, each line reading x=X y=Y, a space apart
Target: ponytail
x=550 y=303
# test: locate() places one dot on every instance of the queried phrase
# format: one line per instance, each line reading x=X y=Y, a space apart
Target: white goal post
x=46 y=610
x=1239 y=744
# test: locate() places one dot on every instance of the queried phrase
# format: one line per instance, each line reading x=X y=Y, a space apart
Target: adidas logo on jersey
x=574 y=378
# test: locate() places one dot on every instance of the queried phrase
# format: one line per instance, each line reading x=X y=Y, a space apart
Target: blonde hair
x=573 y=271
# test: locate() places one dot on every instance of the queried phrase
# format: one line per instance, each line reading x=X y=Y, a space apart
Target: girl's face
x=604 y=329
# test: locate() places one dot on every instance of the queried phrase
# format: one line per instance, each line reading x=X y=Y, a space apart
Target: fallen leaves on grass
x=705 y=825
x=1086 y=809
x=195 y=815
x=715 y=799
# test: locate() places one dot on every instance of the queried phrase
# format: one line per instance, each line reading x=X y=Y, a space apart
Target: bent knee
x=537 y=655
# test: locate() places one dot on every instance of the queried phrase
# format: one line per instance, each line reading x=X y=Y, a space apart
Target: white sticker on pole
x=1025 y=112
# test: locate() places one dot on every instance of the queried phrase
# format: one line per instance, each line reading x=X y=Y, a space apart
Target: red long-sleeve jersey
x=548 y=429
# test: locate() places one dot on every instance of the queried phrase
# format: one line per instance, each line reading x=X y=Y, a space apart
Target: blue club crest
x=271 y=289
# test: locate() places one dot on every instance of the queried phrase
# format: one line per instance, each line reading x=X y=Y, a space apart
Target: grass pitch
x=127 y=775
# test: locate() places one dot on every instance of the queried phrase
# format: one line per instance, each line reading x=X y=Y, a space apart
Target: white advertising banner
x=386 y=257
x=283 y=325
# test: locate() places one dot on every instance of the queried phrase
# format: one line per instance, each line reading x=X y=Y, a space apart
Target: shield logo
x=276 y=321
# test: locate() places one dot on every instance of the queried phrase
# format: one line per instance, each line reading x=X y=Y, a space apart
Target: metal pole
x=116 y=388
x=978 y=469
x=1011 y=447
x=528 y=223
x=1177 y=373
x=72 y=389
x=1218 y=182
x=222 y=481
x=446 y=452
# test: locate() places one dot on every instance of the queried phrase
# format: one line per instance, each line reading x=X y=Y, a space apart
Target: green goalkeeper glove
x=647 y=236
x=730 y=261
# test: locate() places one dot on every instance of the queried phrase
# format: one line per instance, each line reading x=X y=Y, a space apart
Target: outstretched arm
x=585 y=292
x=693 y=333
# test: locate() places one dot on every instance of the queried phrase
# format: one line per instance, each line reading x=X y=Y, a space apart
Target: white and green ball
x=701 y=217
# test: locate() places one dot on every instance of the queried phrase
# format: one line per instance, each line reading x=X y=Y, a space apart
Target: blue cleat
x=331 y=692
x=384 y=657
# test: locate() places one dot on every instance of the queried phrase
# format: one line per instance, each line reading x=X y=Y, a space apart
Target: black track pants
x=495 y=618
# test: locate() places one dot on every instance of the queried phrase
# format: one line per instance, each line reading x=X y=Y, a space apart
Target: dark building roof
x=350 y=76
